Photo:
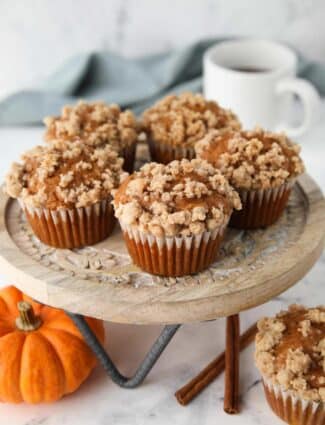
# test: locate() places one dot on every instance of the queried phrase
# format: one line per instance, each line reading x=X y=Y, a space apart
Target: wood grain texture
x=102 y=282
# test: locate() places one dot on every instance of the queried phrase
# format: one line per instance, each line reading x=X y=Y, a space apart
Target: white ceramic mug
x=256 y=79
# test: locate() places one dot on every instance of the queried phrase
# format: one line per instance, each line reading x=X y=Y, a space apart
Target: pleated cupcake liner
x=172 y=256
x=293 y=409
x=261 y=208
x=128 y=154
x=164 y=153
x=71 y=228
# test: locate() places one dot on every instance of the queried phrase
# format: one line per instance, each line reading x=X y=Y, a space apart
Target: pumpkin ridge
x=6 y=327
x=95 y=324
x=56 y=353
x=59 y=370
x=48 y=313
x=52 y=325
x=46 y=332
x=10 y=296
x=20 y=362
x=4 y=307
x=50 y=328
x=18 y=359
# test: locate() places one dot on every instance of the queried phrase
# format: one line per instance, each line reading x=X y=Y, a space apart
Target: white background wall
x=37 y=35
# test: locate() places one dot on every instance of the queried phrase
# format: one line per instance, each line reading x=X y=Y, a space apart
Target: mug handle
x=310 y=100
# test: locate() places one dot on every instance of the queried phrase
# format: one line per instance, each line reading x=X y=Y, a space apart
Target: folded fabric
x=132 y=83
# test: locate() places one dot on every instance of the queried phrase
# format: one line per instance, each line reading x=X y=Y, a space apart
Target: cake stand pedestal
x=101 y=281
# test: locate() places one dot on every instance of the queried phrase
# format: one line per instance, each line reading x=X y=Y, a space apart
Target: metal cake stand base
x=231 y=365
x=147 y=364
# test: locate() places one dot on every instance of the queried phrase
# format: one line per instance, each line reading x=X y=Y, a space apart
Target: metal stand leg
x=153 y=355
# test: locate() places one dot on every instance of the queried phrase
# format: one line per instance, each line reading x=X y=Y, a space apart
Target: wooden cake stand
x=101 y=281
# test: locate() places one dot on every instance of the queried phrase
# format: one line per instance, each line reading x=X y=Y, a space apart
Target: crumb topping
x=305 y=327
x=95 y=123
x=183 y=120
x=255 y=159
x=183 y=198
x=290 y=351
x=66 y=176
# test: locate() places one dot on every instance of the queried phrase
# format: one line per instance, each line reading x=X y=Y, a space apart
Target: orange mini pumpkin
x=42 y=354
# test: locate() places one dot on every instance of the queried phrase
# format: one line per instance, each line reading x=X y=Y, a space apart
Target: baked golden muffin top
x=183 y=198
x=183 y=120
x=290 y=351
x=255 y=159
x=69 y=175
x=95 y=123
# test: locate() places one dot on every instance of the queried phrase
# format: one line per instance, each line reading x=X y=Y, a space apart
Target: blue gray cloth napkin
x=132 y=83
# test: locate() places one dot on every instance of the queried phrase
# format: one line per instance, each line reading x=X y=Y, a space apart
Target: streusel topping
x=66 y=176
x=95 y=123
x=290 y=351
x=183 y=120
x=183 y=198
x=255 y=159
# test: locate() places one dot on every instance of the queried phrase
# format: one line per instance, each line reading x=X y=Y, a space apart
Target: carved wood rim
x=175 y=304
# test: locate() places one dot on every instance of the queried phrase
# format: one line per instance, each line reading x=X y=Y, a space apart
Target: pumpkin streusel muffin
x=290 y=354
x=97 y=124
x=175 y=123
x=65 y=191
x=174 y=216
x=262 y=166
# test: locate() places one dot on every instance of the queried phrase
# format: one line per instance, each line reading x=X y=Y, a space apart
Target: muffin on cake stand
x=97 y=124
x=101 y=281
x=175 y=123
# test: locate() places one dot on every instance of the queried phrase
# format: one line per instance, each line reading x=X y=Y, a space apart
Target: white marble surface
x=37 y=35
x=100 y=402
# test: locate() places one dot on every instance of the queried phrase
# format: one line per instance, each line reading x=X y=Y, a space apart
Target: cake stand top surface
x=101 y=281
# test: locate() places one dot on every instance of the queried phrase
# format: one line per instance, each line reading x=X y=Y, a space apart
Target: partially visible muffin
x=262 y=166
x=174 y=216
x=65 y=191
x=175 y=123
x=290 y=354
x=97 y=124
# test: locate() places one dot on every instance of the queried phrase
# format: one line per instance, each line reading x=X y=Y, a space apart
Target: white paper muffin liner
x=262 y=207
x=292 y=408
x=71 y=228
x=172 y=256
x=164 y=153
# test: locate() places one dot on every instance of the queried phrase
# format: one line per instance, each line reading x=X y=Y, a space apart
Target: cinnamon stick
x=194 y=387
x=231 y=400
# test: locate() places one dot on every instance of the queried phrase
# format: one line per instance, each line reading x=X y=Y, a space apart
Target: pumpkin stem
x=27 y=320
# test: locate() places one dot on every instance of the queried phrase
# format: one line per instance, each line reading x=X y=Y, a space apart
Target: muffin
x=174 y=216
x=262 y=166
x=175 y=123
x=290 y=354
x=65 y=191
x=97 y=124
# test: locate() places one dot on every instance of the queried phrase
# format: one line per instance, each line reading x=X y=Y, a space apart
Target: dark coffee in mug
x=249 y=69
